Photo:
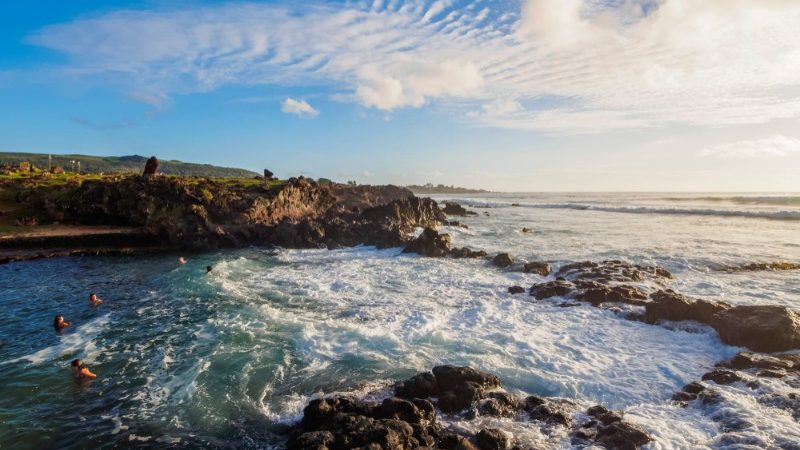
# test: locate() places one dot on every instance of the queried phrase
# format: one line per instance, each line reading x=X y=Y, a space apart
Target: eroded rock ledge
x=204 y=214
x=409 y=419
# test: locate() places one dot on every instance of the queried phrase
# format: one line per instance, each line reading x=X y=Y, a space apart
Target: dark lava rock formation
x=197 y=213
x=454 y=209
x=409 y=420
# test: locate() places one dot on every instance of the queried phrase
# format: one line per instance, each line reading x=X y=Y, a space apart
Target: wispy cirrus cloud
x=298 y=107
x=615 y=64
x=774 y=146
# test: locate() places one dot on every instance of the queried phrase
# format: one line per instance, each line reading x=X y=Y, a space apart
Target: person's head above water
x=80 y=370
x=59 y=322
x=209 y=269
x=181 y=260
x=94 y=300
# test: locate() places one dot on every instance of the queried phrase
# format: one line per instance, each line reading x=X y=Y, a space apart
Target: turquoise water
x=229 y=359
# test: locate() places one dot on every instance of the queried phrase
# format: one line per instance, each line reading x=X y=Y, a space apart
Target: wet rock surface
x=430 y=243
x=502 y=260
x=539 y=268
x=203 y=214
x=454 y=209
x=409 y=420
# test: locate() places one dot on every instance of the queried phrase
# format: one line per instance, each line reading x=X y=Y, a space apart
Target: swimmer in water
x=93 y=300
x=59 y=323
x=181 y=260
x=209 y=269
x=80 y=371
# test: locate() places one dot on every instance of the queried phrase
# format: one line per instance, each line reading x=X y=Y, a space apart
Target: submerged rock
x=516 y=290
x=756 y=267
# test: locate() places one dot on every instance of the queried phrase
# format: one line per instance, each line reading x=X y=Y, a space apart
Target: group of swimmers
x=79 y=369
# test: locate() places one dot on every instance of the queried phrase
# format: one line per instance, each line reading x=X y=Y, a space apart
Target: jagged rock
x=499 y=404
x=689 y=392
x=551 y=411
x=452 y=441
x=516 y=290
x=621 y=436
x=612 y=271
x=603 y=415
x=465 y=252
x=749 y=360
x=343 y=422
x=755 y=267
x=430 y=243
x=492 y=439
x=721 y=376
x=456 y=387
x=613 y=294
x=669 y=305
x=558 y=288
x=502 y=260
x=541 y=268
x=763 y=328
x=454 y=209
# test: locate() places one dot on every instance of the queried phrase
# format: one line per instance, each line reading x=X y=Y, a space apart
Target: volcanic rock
x=541 y=268
x=502 y=260
x=763 y=328
x=557 y=288
x=430 y=243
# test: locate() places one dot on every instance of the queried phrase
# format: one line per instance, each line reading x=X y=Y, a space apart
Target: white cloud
x=600 y=64
x=298 y=107
x=435 y=173
x=775 y=146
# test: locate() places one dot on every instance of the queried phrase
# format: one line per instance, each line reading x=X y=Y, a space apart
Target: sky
x=511 y=95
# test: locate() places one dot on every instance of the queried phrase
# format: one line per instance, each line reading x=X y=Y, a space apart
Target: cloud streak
x=775 y=146
x=603 y=65
x=299 y=108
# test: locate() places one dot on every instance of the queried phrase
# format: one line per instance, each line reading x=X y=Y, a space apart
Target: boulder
x=499 y=404
x=502 y=260
x=721 y=376
x=516 y=290
x=621 y=436
x=343 y=422
x=466 y=252
x=669 y=305
x=454 y=209
x=456 y=387
x=557 y=288
x=540 y=268
x=492 y=439
x=613 y=294
x=429 y=243
x=550 y=411
x=763 y=328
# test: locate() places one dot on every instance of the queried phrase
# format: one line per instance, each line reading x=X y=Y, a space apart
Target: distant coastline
x=442 y=189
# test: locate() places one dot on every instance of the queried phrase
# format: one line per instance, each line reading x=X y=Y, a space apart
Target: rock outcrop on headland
x=203 y=214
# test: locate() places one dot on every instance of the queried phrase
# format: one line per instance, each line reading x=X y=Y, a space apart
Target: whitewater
x=229 y=359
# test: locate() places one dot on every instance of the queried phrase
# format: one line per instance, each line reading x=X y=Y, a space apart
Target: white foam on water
x=80 y=341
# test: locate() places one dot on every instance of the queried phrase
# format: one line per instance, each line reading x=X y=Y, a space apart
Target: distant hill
x=442 y=189
x=124 y=164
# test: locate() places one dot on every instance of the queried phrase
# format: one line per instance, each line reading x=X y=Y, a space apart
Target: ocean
x=229 y=359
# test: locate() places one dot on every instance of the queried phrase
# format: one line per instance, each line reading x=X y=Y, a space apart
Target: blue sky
x=518 y=95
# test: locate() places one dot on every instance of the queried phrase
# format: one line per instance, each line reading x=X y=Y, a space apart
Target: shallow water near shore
x=229 y=359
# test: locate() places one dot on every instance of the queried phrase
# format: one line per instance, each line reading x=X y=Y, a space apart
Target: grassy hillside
x=124 y=164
